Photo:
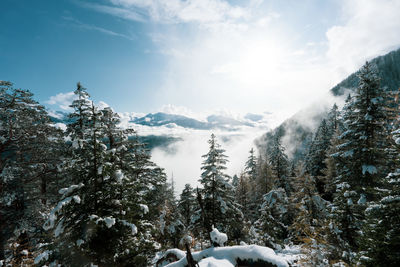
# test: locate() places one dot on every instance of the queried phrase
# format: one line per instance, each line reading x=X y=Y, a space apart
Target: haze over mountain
x=297 y=130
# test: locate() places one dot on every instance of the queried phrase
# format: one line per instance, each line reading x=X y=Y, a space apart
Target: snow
x=397 y=141
x=42 y=256
x=25 y=252
x=390 y=199
x=218 y=237
x=177 y=252
x=61 y=126
x=362 y=200
x=79 y=242
x=349 y=201
x=77 y=199
x=68 y=190
x=119 y=176
x=75 y=144
x=228 y=255
x=131 y=225
x=213 y=262
x=100 y=170
x=144 y=208
x=53 y=213
x=291 y=254
x=348 y=153
x=223 y=205
x=369 y=168
x=59 y=229
x=110 y=221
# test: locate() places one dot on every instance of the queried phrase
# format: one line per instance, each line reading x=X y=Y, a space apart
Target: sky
x=192 y=55
x=194 y=58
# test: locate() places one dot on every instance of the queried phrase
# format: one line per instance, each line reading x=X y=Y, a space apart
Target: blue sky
x=242 y=56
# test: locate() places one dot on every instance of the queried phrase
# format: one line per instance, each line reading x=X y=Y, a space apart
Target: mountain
x=297 y=131
x=160 y=119
x=159 y=130
x=213 y=121
x=388 y=69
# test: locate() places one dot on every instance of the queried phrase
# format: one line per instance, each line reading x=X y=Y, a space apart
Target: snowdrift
x=226 y=257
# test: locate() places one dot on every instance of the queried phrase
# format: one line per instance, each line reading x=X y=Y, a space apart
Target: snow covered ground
x=229 y=256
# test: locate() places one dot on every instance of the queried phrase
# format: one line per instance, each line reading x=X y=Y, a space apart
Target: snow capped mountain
x=212 y=121
x=161 y=120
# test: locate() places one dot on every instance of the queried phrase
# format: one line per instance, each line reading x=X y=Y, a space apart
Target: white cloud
x=185 y=163
x=370 y=28
x=246 y=57
x=89 y=27
x=124 y=13
x=62 y=100
x=177 y=11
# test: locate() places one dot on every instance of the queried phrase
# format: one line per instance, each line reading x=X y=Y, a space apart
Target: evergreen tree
x=243 y=195
x=330 y=172
x=235 y=181
x=308 y=227
x=279 y=163
x=101 y=216
x=333 y=120
x=360 y=157
x=29 y=158
x=251 y=166
x=218 y=206
x=275 y=218
x=170 y=220
x=187 y=204
x=381 y=242
x=317 y=153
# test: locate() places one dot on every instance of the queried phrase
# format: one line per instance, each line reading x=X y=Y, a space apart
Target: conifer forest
x=90 y=195
x=199 y=133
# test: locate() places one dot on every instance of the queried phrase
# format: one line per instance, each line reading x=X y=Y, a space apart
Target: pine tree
x=275 y=218
x=360 y=157
x=171 y=226
x=317 y=153
x=251 y=166
x=187 y=204
x=218 y=206
x=381 y=242
x=101 y=216
x=330 y=172
x=29 y=157
x=279 y=164
x=308 y=227
x=333 y=120
x=243 y=195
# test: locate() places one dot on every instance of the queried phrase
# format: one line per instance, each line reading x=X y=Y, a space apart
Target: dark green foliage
x=279 y=163
x=275 y=218
x=381 y=242
x=219 y=208
x=102 y=216
x=29 y=159
x=360 y=159
x=187 y=204
x=388 y=69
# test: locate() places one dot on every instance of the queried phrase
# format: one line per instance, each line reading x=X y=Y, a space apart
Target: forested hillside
x=90 y=195
x=297 y=131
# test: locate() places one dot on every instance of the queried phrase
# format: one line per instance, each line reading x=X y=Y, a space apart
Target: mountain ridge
x=296 y=131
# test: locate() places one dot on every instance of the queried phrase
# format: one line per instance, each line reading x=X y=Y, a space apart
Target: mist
x=185 y=163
